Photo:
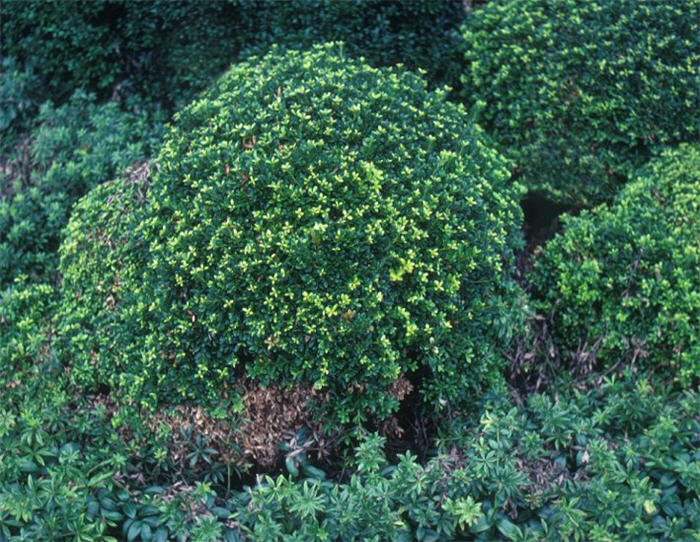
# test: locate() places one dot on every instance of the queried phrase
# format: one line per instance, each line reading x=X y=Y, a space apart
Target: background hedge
x=579 y=94
x=168 y=50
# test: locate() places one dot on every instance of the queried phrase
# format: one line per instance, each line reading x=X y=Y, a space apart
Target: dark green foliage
x=75 y=147
x=67 y=42
x=17 y=100
x=421 y=34
x=581 y=93
x=616 y=463
x=622 y=283
x=25 y=315
x=185 y=45
x=313 y=221
x=168 y=49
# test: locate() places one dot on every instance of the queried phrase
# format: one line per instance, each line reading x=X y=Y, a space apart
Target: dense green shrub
x=75 y=147
x=168 y=50
x=313 y=221
x=621 y=282
x=581 y=93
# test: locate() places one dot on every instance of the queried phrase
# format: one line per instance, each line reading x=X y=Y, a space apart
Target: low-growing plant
x=579 y=94
x=312 y=221
x=558 y=468
x=621 y=283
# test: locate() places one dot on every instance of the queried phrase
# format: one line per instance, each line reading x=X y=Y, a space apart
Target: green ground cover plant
x=579 y=94
x=73 y=148
x=614 y=461
x=621 y=283
x=311 y=221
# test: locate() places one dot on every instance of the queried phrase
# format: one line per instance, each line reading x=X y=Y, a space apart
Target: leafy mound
x=313 y=221
x=622 y=282
x=579 y=94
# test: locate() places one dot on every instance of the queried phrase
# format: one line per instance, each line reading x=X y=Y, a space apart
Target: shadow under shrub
x=312 y=221
x=621 y=282
x=579 y=94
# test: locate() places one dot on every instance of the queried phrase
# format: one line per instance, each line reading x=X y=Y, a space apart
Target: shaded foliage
x=579 y=94
x=621 y=282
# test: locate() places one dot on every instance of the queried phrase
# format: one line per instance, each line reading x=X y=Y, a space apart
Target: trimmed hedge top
x=314 y=221
x=622 y=282
x=579 y=94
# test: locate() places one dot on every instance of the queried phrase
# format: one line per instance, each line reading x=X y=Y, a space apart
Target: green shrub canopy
x=622 y=282
x=313 y=220
x=579 y=94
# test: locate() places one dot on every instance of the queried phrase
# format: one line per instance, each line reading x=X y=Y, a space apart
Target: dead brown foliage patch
x=271 y=415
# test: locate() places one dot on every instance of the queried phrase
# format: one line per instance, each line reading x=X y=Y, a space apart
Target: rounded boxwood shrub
x=622 y=282
x=313 y=221
x=580 y=94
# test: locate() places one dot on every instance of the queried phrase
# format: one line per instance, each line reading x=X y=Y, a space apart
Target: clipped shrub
x=313 y=221
x=621 y=282
x=75 y=147
x=579 y=94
